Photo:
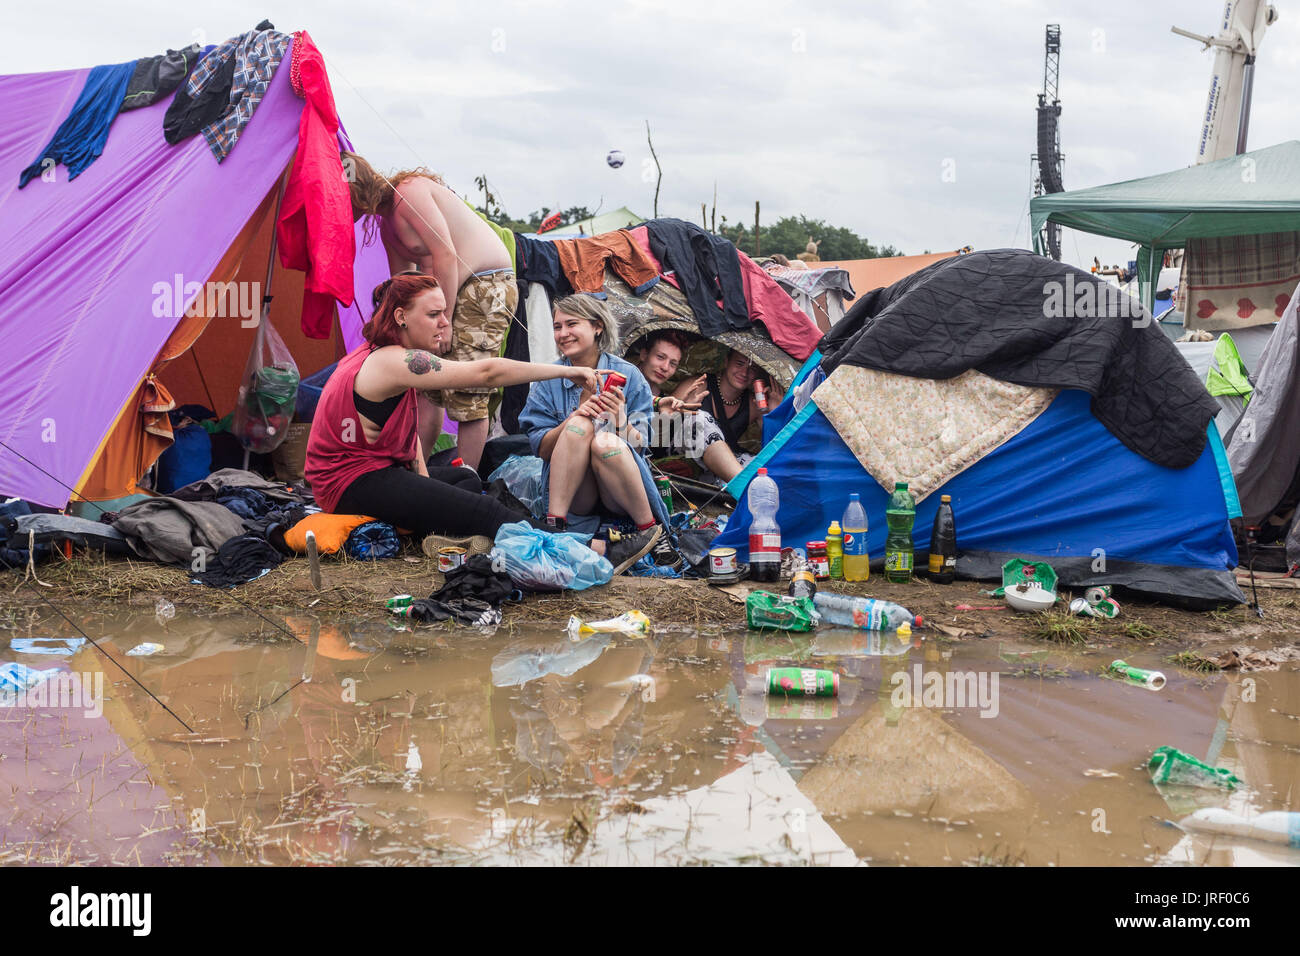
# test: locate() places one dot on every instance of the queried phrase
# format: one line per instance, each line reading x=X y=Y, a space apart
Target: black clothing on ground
x=471 y=594
x=238 y=560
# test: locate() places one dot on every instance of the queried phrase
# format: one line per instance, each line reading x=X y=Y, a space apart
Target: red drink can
x=613 y=380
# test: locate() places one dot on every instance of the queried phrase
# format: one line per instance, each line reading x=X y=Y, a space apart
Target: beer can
x=722 y=561
x=398 y=601
x=450 y=559
x=665 y=487
x=802 y=682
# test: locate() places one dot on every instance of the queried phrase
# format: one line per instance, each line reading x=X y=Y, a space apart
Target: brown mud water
x=332 y=734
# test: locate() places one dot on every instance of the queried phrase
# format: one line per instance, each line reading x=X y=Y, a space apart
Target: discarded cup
x=145 y=650
x=164 y=610
x=630 y=622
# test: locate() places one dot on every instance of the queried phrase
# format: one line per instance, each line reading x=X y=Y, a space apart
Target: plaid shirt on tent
x=257 y=54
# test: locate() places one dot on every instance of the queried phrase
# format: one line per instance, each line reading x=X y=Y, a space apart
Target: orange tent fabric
x=868 y=274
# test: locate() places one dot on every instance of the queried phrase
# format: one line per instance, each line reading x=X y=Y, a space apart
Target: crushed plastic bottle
x=629 y=622
x=1170 y=766
x=865 y=613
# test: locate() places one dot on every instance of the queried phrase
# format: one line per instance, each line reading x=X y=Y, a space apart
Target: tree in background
x=789 y=236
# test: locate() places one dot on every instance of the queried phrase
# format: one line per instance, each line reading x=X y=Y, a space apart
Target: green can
x=665 y=492
x=802 y=682
x=399 y=601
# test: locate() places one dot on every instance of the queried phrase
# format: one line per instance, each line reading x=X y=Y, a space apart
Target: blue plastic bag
x=523 y=476
x=545 y=561
x=373 y=540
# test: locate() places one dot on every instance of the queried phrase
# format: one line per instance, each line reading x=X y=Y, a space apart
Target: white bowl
x=1030 y=597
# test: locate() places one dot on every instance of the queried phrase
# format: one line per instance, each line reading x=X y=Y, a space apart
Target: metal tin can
x=398 y=601
x=722 y=561
x=450 y=558
x=665 y=487
x=820 y=561
x=802 y=682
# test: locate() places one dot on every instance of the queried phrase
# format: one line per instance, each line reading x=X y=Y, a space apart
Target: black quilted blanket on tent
x=1025 y=319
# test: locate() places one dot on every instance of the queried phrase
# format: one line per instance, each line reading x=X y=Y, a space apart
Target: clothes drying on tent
x=540 y=262
x=707 y=269
x=315 y=229
x=80 y=138
x=256 y=54
x=195 y=106
x=155 y=77
x=988 y=311
x=584 y=260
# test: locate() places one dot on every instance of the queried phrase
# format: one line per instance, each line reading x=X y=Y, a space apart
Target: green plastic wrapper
x=765 y=610
x=1170 y=766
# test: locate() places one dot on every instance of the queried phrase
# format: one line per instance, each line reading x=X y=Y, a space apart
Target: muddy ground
x=353 y=590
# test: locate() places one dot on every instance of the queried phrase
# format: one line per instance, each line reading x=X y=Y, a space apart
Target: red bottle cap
x=918 y=622
x=762 y=471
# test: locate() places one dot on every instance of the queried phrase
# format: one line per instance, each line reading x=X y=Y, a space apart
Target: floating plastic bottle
x=900 y=514
x=764 y=532
x=866 y=614
x=857 y=561
x=1277 y=826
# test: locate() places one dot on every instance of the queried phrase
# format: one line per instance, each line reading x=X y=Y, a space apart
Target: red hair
x=399 y=292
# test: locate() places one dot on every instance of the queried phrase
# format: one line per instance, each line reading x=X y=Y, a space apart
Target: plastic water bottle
x=866 y=614
x=857 y=562
x=1277 y=826
x=901 y=514
x=764 y=533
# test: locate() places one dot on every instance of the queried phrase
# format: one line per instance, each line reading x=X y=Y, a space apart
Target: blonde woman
x=589 y=439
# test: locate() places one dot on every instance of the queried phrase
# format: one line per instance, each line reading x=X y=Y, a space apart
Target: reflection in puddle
x=319 y=743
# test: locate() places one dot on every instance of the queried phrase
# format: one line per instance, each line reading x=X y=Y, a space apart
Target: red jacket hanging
x=315 y=230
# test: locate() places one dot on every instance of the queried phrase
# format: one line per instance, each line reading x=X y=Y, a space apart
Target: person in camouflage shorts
x=484 y=307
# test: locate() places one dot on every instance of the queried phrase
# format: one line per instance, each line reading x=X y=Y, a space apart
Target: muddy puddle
x=284 y=741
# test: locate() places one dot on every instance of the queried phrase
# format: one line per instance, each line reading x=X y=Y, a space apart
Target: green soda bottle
x=900 y=514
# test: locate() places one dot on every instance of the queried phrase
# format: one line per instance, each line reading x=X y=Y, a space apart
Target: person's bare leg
x=619 y=478
x=570 y=463
x=470 y=439
x=719 y=460
x=428 y=418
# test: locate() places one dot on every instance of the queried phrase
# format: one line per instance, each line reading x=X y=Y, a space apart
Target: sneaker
x=624 y=550
x=474 y=544
x=666 y=555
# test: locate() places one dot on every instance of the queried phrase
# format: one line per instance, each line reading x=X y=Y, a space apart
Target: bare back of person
x=411 y=230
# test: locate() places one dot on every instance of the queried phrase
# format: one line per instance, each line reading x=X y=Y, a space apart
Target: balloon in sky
x=615 y=158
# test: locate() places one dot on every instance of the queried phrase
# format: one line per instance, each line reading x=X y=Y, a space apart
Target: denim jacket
x=552 y=401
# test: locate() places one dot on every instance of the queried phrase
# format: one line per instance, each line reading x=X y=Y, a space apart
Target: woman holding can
x=589 y=438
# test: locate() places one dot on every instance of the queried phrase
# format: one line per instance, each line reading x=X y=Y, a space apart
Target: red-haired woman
x=364 y=455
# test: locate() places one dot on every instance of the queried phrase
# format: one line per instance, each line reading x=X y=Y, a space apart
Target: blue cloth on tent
x=80 y=139
x=187 y=459
x=1063 y=488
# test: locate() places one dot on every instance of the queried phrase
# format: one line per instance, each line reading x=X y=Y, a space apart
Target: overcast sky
x=844 y=111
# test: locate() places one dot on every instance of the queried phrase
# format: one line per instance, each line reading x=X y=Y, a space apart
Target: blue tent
x=1064 y=489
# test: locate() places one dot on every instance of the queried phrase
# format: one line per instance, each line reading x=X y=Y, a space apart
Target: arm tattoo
x=421 y=362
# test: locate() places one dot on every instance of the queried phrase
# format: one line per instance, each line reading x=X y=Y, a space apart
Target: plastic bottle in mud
x=900 y=513
x=857 y=562
x=764 y=532
x=943 y=544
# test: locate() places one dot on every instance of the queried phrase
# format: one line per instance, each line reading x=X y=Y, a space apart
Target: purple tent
x=79 y=260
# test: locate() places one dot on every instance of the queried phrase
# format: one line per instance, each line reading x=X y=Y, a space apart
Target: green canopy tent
x=1256 y=192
